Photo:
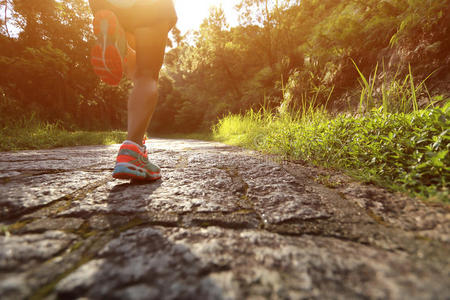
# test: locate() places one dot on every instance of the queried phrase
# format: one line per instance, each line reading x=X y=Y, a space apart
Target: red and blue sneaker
x=132 y=163
x=108 y=55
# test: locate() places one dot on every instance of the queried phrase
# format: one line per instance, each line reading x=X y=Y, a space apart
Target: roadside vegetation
x=202 y=136
x=402 y=151
x=30 y=133
x=395 y=144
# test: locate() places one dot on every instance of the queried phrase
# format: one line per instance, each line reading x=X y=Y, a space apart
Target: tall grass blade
x=413 y=90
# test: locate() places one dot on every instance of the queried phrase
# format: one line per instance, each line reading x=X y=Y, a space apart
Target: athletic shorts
x=134 y=14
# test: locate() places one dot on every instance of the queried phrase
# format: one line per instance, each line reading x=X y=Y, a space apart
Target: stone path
x=224 y=223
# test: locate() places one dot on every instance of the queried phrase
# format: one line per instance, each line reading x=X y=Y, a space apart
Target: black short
x=144 y=13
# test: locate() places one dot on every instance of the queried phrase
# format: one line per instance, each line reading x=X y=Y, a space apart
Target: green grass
x=404 y=92
x=402 y=151
x=202 y=136
x=29 y=133
x=389 y=142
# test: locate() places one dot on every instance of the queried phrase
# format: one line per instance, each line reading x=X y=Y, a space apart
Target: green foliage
x=395 y=95
x=419 y=17
x=201 y=136
x=46 y=69
x=405 y=151
x=31 y=133
x=305 y=49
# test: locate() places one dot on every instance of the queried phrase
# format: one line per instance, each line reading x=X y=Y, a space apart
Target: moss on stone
x=48 y=288
x=18 y=225
x=131 y=224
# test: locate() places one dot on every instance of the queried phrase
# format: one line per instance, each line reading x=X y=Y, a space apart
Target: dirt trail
x=224 y=223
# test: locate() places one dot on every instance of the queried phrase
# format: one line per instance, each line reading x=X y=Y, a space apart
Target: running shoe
x=108 y=55
x=132 y=163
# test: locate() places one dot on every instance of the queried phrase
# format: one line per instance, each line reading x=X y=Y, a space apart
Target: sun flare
x=192 y=13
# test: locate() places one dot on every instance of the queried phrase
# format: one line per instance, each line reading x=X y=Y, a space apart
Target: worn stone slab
x=278 y=196
x=22 y=194
x=59 y=159
x=223 y=223
x=14 y=286
x=144 y=262
x=274 y=266
x=217 y=263
x=210 y=182
x=20 y=252
x=175 y=194
x=271 y=190
x=42 y=225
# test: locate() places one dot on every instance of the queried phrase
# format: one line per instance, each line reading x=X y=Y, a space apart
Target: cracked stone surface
x=223 y=223
x=21 y=252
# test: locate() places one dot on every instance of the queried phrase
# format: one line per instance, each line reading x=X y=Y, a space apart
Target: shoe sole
x=129 y=171
x=105 y=56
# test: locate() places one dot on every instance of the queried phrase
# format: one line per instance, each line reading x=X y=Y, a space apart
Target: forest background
x=304 y=49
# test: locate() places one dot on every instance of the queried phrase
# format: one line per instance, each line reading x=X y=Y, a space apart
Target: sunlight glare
x=192 y=13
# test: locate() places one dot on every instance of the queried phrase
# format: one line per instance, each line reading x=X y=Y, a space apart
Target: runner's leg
x=150 y=47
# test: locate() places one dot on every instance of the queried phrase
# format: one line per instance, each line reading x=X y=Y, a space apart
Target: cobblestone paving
x=223 y=223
